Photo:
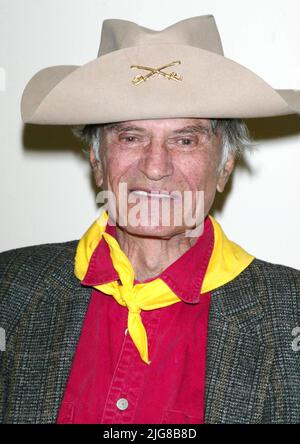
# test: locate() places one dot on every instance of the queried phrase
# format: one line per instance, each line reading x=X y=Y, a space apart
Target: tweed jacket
x=253 y=353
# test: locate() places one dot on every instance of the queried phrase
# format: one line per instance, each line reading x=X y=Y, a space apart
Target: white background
x=47 y=193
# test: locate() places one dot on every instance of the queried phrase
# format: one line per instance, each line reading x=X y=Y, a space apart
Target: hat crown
x=201 y=32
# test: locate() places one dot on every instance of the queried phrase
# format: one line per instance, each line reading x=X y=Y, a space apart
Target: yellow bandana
x=227 y=261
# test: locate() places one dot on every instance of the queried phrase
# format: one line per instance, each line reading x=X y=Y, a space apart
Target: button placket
x=111 y=410
x=128 y=379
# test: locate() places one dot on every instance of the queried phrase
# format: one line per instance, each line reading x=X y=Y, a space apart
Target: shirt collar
x=213 y=261
x=184 y=276
x=100 y=268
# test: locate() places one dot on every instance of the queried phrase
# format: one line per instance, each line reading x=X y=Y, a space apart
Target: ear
x=225 y=173
x=96 y=167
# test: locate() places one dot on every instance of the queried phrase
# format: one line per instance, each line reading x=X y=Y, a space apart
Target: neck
x=150 y=256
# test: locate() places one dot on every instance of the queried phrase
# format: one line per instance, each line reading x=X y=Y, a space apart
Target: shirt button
x=122 y=404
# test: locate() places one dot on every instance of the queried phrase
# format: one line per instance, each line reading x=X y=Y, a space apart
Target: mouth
x=153 y=194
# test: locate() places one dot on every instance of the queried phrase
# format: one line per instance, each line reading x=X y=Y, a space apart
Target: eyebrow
x=118 y=127
x=191 y=129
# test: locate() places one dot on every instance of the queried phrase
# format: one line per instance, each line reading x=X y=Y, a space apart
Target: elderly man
x=165 y=320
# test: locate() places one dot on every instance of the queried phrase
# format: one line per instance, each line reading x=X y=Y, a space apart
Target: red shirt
x=109 y=383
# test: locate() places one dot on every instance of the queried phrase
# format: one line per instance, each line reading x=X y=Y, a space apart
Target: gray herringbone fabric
x=253 y=372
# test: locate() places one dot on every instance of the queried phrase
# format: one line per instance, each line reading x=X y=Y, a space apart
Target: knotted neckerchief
x=227 y=261
x=136 y=297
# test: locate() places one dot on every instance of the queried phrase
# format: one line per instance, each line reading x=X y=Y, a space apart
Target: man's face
x=155 y=158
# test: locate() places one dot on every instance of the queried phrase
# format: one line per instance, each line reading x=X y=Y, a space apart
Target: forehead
x=160 y=125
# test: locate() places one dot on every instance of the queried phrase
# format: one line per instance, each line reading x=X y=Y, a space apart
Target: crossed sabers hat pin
x=153 y=71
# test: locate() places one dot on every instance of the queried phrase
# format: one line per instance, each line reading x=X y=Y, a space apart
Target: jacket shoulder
x=272 y=287
x=34 y=260
x=265 y=268
x=278 y=289
x=42 y=250
x=33 y=273
x=264 y=276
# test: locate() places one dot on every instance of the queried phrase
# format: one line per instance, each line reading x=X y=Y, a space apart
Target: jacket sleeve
x=283 y=312
x=7 y=261
x=26 y=276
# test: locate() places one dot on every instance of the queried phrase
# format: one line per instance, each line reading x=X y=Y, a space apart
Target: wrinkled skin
x=157 y=156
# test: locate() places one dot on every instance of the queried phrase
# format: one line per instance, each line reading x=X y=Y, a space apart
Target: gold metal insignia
x=153 y=71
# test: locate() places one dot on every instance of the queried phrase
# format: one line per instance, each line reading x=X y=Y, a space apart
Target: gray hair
x=90 y=135
x=235 y=137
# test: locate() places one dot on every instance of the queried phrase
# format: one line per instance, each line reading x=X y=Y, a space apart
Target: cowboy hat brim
x=101 y=91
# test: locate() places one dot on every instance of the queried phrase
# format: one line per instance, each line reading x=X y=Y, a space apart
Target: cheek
x=200 y=173
x=115 y=167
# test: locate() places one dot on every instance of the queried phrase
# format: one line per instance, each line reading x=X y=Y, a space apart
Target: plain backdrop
x=47 y=192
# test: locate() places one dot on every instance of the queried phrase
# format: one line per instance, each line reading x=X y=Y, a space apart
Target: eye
x=186 y=141
x=129 y=139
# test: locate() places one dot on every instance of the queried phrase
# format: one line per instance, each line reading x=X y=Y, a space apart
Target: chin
x=154 y=231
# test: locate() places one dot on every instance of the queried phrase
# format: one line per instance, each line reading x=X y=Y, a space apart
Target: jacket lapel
x=239 y=355
x=60 y=363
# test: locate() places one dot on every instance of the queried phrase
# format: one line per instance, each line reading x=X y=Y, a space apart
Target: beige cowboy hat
x=144 y=74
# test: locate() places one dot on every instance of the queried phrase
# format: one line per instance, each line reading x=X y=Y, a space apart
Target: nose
x=156 y=161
